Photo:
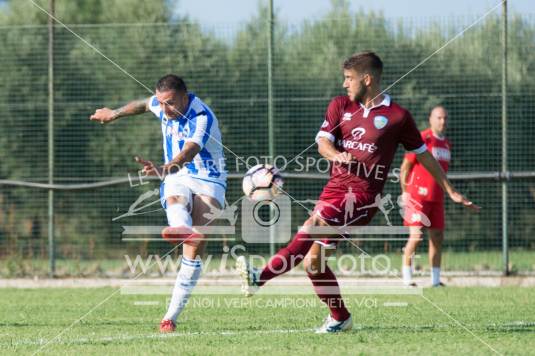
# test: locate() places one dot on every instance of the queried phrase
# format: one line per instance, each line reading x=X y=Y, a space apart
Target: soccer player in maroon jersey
x=426 y=196
x=359 y=135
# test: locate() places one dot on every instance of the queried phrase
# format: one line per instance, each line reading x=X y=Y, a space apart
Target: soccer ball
x=262 y=182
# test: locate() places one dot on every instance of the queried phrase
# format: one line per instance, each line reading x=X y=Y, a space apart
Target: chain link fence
x=227 y=67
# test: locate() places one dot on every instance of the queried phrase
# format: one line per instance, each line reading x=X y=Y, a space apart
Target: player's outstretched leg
x=249 y=276
x=188 y=275
x=191 y=267
x=283 y=261
x=179 y=220
x=327 y=289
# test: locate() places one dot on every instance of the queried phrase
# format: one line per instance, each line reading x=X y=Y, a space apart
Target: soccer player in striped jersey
x=418 y=185
x=194 y=175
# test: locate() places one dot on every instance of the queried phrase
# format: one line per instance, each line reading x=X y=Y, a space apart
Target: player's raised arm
x=106 y=115
x=432 y=166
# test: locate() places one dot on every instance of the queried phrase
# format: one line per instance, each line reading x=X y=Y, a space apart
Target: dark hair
x=365 y=62
x=436 y=107
x=171 y=82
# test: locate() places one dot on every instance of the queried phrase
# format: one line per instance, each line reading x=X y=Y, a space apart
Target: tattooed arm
x=106 y=115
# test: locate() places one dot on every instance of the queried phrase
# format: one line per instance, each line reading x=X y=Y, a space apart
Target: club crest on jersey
x=379 y=122
x=347 y=116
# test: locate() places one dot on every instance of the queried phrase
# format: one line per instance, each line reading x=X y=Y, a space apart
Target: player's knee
x=412 y=244
x=177 y=199
x=313 y=263
x=311 y=222
x=436 y=236
x=415 y=236
x=415 y=239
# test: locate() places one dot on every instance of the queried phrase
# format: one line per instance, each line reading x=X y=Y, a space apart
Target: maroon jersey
x=421 y=185
x=371 y=136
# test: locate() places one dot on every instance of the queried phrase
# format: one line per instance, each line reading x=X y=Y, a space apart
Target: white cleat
x=331 y=325
x=249 y=276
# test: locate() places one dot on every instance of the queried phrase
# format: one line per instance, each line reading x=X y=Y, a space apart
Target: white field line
x=119 y=338
x=156 y=336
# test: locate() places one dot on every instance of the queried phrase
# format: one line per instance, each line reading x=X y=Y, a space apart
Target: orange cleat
x=167 y=326
x=177 y=235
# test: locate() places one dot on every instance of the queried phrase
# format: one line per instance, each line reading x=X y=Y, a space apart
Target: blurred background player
x=194 y=176
x=417 y=184
x=359 y=136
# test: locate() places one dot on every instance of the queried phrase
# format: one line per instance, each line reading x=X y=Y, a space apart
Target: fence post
x=271 y=131
x=505 y=173
x=51 y=247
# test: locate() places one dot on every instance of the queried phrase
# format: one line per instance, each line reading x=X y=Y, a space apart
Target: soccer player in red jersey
x=359 y=135
x=427 y=197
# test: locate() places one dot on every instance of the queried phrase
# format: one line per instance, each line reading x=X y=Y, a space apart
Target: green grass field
x=503 y=318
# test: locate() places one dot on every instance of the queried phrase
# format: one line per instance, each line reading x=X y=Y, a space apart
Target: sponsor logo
x=416 y=217
x=379 y=122
x=173 y=131
x=347 y=116
x=357 y=134
x=441 y=154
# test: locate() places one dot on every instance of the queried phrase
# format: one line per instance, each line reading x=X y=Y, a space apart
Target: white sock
x=187 y=278
x=435 y=276
x=407 y=275
x=178 y=216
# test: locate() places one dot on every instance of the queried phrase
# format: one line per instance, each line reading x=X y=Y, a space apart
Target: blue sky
x=210 y=12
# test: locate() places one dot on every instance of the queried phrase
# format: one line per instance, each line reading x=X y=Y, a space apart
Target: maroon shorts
x=343 y=209
x=429 y=214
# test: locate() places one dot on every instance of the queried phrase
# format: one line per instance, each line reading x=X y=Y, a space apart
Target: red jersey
x=371 y=136
x=420 y=183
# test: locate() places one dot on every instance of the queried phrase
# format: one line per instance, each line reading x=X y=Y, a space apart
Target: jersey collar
x=386 y=102
x=191 y=97
x=441 y=138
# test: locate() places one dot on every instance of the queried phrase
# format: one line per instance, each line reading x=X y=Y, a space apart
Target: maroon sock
x=327 y=289
x=287 y=258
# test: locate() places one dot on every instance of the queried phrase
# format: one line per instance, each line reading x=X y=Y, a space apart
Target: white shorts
x=173 y=185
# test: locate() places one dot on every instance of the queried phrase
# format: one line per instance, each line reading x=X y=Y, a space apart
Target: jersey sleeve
x=201 y=130
x=410 y=157
x=330 y=127
x=410 y=137
x=154 y=107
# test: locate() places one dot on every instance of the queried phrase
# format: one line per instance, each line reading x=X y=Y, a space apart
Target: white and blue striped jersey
x=199 y=125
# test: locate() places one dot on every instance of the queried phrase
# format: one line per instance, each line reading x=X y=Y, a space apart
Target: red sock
x=287 y=258
x=327 y=289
